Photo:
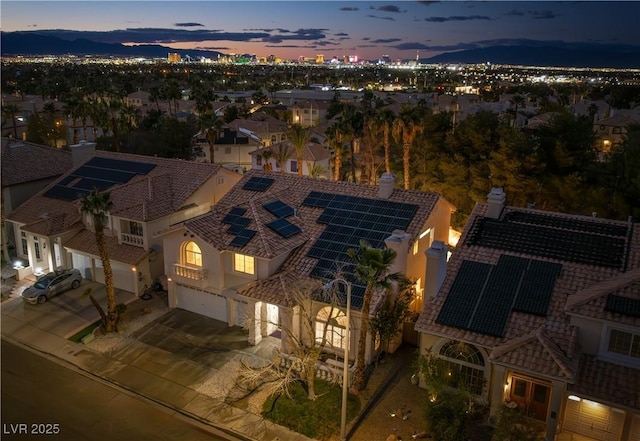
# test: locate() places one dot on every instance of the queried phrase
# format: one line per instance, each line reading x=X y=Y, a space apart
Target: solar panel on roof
x=279 y=209
x=243 y=237
x=496 y=299
x=257 y=183
x=115 y=176
x=140 y=168
x=65 y=193
x=284 y=228
x=91 y=184
x=537 y=286
x=238 y=224
x=623 y=305
x=460 y=304
x=582 y=247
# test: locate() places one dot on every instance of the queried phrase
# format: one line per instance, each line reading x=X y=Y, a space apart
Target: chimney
x=399 y=242
x=82 y=152
x=385 y=188
x=495 y=201
x=436 y=268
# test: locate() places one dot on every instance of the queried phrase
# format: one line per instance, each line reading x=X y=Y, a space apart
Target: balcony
x=189 y=272
x=132 y=239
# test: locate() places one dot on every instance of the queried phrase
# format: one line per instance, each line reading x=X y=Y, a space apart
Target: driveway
x=62 y=316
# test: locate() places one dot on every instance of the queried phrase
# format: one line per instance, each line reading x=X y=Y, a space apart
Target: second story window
x=244 y=264
x=294 y=166
x=624 y=343
x=135 y=228
x=192 y=255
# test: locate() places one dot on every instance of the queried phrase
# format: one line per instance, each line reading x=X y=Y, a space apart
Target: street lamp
x=345 y=367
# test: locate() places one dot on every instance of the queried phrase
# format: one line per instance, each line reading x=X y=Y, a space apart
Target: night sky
x=368 y=29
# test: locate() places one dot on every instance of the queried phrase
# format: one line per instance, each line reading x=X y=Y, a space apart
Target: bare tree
x=307 y=348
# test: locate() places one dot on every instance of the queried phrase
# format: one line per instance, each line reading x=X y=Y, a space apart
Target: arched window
x=191 y=254
x=331 y=323
x=465 y=364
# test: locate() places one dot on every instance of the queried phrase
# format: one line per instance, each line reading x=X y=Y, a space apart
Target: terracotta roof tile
x=85 y=242
x=612 y=383
x=25 y=162
x=163 y=191
x=544 y=344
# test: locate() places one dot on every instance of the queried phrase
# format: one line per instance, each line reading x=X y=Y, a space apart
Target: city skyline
x=365 y=29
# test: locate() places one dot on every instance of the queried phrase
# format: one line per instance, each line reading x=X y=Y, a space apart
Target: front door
x=531 y=397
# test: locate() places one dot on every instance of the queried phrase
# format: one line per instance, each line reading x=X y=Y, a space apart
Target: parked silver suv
x=51 y=285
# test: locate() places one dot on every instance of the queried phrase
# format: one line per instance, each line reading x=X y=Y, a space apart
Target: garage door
x=202 y=302
x=122 y=276
x=593 y=420
x=634 y=434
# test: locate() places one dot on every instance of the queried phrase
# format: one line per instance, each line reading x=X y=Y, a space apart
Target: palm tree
x=405 y=129
x=10 y=111
x=282 y=150
x=372 y=269
x=266 y=155
x=299 y=136
x=516 y=101
x=211 y=125
x=96 y=206
x=336 y=142
x=385 y=119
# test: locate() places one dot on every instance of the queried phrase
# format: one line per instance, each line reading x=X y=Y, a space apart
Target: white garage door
x=123 y=277
x=202 y=302
x=593 y=420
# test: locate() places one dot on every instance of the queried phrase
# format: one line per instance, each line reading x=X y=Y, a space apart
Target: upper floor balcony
x=132 y=239
x=189 y=272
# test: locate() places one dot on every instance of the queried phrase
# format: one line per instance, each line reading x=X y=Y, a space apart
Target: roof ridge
x=555 y=352
x=512 y=344
x=602 y=288
x=259 y=228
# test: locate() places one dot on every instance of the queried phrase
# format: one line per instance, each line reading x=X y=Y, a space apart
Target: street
x=44 y=400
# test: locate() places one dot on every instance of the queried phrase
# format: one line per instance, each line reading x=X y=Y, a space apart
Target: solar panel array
x=237 y=226
x=578 y=241
x=623 y=305
x=97 y=174
x=257 y=183
x=349 y=220
x=483 y=296
x=279 y=209
x=284 y=228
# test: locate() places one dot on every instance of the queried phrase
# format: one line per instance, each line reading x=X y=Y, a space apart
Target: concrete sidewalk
x=187 y=363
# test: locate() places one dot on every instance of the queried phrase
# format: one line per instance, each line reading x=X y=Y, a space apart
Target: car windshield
x=41 y=284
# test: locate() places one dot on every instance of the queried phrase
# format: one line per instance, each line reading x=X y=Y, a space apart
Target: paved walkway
x=184 y=362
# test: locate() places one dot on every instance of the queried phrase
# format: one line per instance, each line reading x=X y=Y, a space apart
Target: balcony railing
x=132 y=239
x=189 y=272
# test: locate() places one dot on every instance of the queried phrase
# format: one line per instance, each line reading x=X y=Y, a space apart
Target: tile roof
x=615 y=384
x=292 y=190
x=85 y=242
x=542 y=344
x=164 y=190
x=26 y=162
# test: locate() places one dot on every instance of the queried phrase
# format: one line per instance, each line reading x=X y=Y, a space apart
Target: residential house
x=232 y=149
x=612 y=131
x=309 y=113
x=240 y=262
x=316 y=159
x=148 y=193
x=539 y=311
x=262 y=127
x=139 y=99
x=26 y=169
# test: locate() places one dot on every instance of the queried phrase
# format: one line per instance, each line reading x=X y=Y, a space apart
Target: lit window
x=331 y=325
x=415 y=247
x=192 y=254
x=243 y=264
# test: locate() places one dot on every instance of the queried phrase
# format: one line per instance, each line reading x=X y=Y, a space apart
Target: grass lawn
x=317 y=419
x=77 y=337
